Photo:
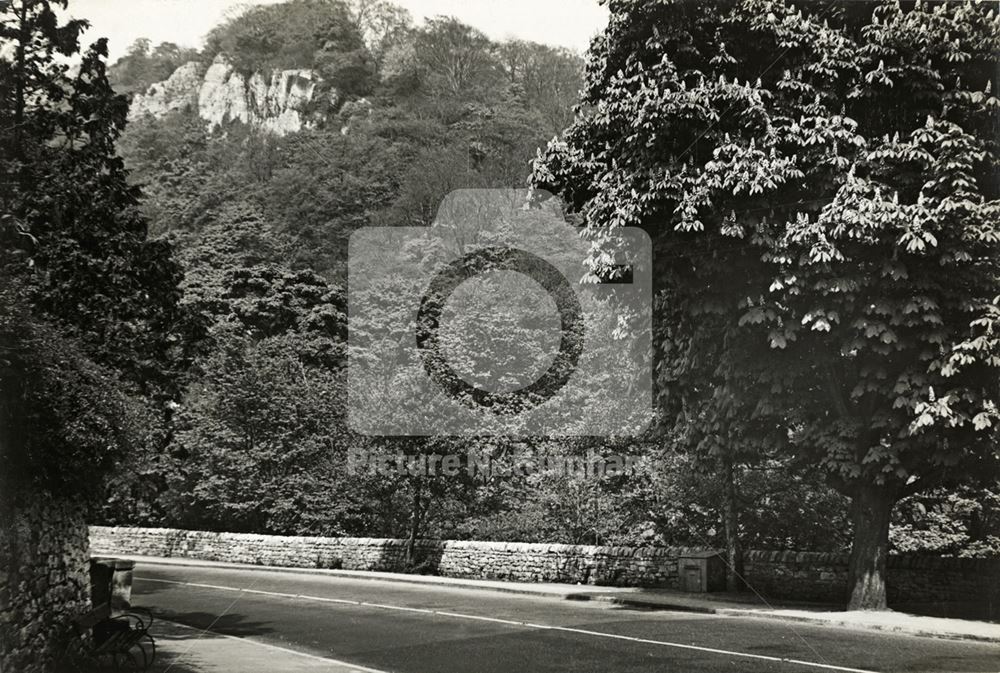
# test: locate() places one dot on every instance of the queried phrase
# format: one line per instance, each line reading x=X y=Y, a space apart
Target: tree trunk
x=871 y=508
x=20 y=75
x=731 y=521
x=416 y=517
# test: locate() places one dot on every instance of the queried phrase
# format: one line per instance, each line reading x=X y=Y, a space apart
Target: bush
x=65 y=421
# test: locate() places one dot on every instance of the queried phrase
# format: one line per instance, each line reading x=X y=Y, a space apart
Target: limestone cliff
x=178 y=92
x=221 y=94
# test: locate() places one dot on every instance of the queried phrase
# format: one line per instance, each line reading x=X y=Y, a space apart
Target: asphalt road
x=416 y=629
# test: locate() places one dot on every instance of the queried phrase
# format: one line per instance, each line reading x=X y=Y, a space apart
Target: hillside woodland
x=393 y=114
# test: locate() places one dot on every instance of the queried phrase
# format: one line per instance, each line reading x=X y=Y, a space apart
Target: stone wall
x=620 y=566
x=584 y=564
x=44 y=580
x=801 y=575
x=944 y=586
x=929 y=582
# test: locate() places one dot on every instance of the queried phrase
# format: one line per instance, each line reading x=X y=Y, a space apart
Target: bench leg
x=152 y=650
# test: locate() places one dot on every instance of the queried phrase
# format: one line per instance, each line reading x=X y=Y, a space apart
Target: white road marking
x=354 y=668
x=509 y=622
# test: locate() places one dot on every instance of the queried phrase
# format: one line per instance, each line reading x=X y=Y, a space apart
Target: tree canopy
x=89 y=303
x=754 y=140
x=820 y=182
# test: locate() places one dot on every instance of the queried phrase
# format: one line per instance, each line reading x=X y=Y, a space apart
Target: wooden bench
x=119 y=637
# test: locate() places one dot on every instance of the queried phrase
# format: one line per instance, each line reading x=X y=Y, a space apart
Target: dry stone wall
x=619 y=566
x=968 y=587
x=781 y=574
x=44 y=580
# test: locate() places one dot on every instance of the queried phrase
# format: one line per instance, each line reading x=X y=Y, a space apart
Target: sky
x=565 y=23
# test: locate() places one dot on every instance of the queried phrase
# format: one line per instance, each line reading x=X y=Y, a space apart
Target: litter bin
x=701 y=572
x=111 y=582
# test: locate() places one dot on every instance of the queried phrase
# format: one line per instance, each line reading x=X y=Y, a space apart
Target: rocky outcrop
x=178 y=92
x=276 y=103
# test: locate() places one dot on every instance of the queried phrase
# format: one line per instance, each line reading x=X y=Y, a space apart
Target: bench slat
x=91 y=619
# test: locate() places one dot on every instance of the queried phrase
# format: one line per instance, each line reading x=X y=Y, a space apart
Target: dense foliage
x=826 y=220
x=145 y=65
x=88 y=305
x=674 y=133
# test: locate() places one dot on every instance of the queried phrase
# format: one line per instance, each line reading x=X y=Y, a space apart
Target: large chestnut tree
x=820 y=182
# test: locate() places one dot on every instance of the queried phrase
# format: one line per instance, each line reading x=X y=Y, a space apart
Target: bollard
x=111 y=582
x=121 y=585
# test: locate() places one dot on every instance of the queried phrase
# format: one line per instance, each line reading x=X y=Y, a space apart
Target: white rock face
x=178 y=92
x=225 y=95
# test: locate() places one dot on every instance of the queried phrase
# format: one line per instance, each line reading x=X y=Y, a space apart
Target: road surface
x=409 y=628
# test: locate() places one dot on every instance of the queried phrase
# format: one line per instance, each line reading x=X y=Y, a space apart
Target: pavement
x=186 y=649
x=228 y=618
x=720 y=603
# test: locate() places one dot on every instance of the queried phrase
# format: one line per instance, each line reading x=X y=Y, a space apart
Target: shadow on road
x=230 y=624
